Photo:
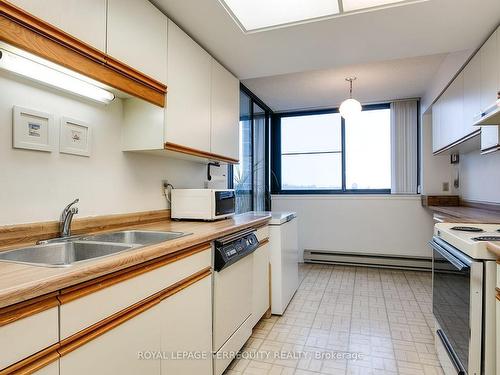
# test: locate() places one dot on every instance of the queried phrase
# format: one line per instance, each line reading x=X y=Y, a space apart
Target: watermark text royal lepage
x=157 y=355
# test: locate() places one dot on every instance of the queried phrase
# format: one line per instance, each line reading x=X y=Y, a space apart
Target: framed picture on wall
x=33 y=130
x=75 y=137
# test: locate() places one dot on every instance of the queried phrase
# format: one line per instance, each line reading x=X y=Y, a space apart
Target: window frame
x=276 y=154
x=230 y=168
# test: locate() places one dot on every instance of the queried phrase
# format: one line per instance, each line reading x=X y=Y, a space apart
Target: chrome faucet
x=66 y=217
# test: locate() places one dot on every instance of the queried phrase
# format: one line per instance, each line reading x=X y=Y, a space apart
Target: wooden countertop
x=464 y=214
x=21 y=282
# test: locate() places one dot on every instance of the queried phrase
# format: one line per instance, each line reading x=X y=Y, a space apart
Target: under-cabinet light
x=49 y=75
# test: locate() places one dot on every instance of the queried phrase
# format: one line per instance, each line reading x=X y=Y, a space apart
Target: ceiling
x=376 y=82
x=394 y=51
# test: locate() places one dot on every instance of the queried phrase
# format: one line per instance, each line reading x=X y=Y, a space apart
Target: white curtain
x=404 y=144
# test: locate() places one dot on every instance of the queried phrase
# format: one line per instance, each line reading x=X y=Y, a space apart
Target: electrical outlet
x=446 y=186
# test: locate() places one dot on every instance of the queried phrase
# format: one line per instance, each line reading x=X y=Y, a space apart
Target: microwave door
x=451 y=303
x=225 y=202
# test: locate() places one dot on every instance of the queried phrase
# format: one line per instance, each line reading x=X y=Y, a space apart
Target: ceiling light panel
x=353 y=5
x=263 y=14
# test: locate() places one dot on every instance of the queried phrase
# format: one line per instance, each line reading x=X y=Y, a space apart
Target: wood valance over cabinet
x=32 y=34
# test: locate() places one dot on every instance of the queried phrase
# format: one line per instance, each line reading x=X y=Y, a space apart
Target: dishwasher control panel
x=230 y=249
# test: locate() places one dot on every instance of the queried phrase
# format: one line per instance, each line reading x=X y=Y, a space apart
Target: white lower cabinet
x=186 y=330
x=25 y=337
x=124 y=349
x=260 y=294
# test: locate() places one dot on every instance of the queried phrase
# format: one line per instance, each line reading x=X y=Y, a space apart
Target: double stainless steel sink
x=63 y=252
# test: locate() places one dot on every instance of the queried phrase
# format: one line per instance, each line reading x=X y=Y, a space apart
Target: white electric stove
x=464 y=278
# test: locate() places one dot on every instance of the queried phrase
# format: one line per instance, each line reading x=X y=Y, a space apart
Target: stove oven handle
x=449 y=256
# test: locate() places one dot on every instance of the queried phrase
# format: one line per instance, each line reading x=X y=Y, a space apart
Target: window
x=368 y=150
x=249 y=177
x=311 y=152
x=320 y=152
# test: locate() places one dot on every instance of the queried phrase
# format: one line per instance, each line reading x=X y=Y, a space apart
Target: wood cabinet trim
x=25 y=309
x=34 y=362
x=25 y=31
x=263 y=242
x=90 y=333
x=30 y=233
x=194 y=152
x=81 y=290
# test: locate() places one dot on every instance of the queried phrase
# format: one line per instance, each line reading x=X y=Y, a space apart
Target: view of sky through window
x=311 y=151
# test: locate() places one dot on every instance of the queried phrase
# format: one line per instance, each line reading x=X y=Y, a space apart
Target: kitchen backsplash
x=36 y=185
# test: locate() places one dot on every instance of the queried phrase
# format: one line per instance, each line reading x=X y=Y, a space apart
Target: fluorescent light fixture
x=351 y=5
x=262 y=15
x=53 y=75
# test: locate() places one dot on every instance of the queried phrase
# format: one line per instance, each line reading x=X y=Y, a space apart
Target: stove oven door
x=457 y=305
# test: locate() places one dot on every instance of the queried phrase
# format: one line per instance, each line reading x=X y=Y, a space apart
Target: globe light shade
x=350 y=108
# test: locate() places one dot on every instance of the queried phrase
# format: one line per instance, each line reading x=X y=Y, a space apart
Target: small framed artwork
x=75 y=137
x=33 y=130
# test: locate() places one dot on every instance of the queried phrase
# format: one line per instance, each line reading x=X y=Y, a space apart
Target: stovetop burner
x=487 y=238
x=468 y=229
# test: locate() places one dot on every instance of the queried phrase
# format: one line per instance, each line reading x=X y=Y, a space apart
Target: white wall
x=35 y=186
x=378 y=224
x=480 y=177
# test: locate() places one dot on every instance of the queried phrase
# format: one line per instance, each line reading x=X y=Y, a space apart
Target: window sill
x=345 y=196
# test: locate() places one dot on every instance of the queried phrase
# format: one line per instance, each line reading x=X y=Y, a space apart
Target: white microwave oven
x=202 y=204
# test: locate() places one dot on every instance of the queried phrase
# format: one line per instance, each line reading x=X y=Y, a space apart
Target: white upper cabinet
x=490 y=85
x=137 y=36
x=85 y=20
x=225 y=114
x=453 y=115
x=490 y=138
x=498 y=57
x=436 y=126
x=472 y=93
x=189 y=89
x=490 y=71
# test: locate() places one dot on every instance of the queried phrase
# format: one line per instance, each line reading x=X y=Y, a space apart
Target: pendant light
x=350 y=108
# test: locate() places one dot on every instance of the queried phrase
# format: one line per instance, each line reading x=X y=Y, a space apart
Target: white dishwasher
x=232 y=304
x=284 y=248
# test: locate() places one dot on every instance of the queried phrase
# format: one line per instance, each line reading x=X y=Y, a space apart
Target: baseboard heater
x=368 y=260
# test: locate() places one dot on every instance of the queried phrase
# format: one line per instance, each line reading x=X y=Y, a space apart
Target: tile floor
x=385 y=315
